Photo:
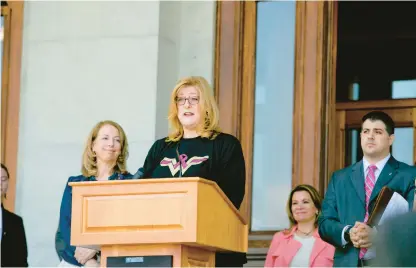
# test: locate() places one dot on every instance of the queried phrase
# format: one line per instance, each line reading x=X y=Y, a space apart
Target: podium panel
x=182 y=256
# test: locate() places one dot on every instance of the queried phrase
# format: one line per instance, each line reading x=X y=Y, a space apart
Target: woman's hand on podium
x=92 y=263
x=82 y=255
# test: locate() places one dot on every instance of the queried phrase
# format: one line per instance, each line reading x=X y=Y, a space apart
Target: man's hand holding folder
x=388 y=205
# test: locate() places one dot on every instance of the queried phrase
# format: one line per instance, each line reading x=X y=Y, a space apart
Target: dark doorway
x=376 y=51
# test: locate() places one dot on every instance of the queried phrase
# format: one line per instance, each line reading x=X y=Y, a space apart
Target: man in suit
x=13 y=241
x=352 y=192
x=13 y=238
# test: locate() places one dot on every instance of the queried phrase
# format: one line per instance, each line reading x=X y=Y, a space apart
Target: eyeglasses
x=191 y=100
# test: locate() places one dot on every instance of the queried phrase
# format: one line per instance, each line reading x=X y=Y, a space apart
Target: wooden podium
x=186 y=218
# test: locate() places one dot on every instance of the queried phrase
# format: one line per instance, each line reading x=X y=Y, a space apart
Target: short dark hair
x=5 y=169
x=383 y=117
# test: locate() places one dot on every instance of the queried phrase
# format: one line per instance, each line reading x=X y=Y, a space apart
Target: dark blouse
x=64 y=230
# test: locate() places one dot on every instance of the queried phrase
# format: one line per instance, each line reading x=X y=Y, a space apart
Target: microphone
x=139 y=174
x=179 y=159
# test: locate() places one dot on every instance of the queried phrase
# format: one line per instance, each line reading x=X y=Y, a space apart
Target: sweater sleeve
x=152 y=159
x=232 y=171
x=68 y=253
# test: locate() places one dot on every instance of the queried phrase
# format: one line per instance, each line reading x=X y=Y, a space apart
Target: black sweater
x=220 y=160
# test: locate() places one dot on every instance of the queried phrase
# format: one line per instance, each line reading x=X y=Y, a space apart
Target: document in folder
x=388 y=205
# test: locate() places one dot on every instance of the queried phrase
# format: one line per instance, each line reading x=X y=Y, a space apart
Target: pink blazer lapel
x=291 y=249
x=318 y=247
x=288 y=248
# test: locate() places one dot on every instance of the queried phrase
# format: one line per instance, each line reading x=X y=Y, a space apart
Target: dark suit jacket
x=13 y=241
x=344 y=202
x=396 y=243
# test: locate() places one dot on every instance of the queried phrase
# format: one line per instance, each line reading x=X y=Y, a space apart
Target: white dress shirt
x=380 y=165
x=370 y=254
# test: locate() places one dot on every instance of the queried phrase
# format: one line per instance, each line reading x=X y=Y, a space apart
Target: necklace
x=306 y=233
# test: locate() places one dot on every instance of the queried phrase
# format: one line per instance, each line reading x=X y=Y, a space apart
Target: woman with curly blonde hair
x=195 y=147
x=104 y=158
x=206 y=122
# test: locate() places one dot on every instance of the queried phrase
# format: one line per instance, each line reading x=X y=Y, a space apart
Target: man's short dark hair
x=5 y=169
x=383 y=117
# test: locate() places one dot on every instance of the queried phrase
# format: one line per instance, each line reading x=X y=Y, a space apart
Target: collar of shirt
x=115 y=176
x=380 y=165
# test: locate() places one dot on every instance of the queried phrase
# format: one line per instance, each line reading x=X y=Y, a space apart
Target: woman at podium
x=104 y=158
x=195 y=147
x=301 y=246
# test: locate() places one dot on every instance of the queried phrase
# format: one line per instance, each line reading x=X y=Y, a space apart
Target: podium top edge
x=141 y=181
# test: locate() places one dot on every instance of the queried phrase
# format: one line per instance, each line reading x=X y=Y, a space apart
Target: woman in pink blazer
x=301 y=245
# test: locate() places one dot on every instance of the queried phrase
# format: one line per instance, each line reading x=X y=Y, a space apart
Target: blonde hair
x=209 y=125
x=315 y=196
x=89 y=161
